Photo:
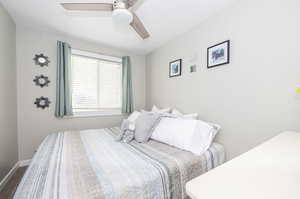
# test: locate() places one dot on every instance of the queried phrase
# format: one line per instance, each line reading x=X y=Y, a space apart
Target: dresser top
x=269 y=171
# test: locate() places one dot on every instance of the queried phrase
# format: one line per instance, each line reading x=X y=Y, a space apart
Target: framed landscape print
x=175 y=68
x=218 y=55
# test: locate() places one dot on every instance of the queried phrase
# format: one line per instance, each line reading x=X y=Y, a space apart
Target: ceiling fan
x=121 y=13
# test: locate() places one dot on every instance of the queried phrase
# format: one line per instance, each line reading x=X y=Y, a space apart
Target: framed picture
x=218 y=55
x=175 y=68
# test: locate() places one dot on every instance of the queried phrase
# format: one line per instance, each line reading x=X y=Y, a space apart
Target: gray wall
x=34 y=124
x=253 y=98
x=8 y=98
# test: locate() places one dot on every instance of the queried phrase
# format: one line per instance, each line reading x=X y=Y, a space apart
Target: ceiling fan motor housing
x=121 y=14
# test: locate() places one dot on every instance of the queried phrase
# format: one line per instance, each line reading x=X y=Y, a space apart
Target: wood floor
x=10 y=188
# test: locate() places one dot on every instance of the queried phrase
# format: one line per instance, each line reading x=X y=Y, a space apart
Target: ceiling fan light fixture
x=122 y=16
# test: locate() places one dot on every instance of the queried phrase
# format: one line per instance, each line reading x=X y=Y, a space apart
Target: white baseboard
x=8 y=176
x=21 y=163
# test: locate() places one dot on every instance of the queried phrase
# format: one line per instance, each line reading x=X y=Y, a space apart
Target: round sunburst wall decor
x=41 y=60
x=41 y=81
x=42 y=102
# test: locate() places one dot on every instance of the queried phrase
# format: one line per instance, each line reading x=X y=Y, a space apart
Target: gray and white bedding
x=92 y=165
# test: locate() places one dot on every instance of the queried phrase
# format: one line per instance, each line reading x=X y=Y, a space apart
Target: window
x=96 y=83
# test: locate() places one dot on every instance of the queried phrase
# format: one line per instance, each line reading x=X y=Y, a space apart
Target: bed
x=90 y=164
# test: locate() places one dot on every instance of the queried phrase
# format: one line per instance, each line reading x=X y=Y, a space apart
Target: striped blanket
x=92 y=165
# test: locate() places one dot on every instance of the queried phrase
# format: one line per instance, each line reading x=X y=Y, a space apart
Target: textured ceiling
x=164 y=19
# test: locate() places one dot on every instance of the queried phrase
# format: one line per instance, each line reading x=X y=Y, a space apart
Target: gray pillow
x=144 y=126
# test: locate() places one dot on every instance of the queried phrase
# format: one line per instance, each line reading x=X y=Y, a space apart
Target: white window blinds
x=96 y=84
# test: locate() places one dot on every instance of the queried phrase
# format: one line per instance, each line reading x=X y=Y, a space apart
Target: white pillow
x=155 y=109
x=133 y=116
x=195 y=136
x=216 y=127
x=185 y=116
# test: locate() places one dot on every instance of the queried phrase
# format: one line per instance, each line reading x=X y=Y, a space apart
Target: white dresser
x=269 y=171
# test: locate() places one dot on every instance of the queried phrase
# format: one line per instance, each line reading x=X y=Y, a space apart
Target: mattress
x=90 y=164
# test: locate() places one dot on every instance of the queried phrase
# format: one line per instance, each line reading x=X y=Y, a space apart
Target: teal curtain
x=127 y=94
x=63 y=81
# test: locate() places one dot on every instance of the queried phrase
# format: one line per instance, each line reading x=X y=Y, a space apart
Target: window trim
x=99 y=112
x=96 y=56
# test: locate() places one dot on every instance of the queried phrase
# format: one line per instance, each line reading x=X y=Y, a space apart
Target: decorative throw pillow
x=127 y=131
x=155 y=109
x=145 y=125
x=128 y=136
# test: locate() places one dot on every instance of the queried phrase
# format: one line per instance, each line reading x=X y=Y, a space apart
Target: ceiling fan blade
x=88 y=6
x=132 y=2
x=136 y=5
x=139 y=27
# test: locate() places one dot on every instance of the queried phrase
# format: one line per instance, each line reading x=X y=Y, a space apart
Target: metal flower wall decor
x=42 y=102
x=41 y=60
x=41 y=81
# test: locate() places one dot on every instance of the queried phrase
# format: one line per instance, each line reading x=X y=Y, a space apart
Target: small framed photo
x=175 y=68
x=218 y=55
